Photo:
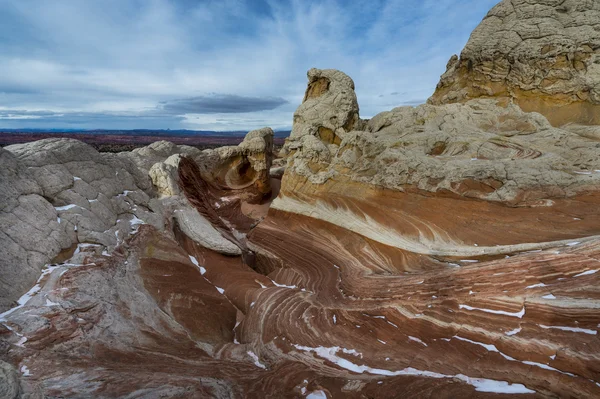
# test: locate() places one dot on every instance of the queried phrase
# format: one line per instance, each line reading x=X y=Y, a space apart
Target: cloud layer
x=223 y=65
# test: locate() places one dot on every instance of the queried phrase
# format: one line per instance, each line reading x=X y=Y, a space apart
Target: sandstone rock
x=197 y=228
x=30 y=234
x=439 y=251
x=244 y=167
x=9 y=381
x=543 y=55
x=329 y=108
x=59 y=192
x=146 y=157
x=164 y=176
x=478 y=149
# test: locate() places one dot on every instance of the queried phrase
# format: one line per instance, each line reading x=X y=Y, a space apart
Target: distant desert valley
x=446 y=250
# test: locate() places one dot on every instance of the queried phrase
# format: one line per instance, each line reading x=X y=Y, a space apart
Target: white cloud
x=118 y=56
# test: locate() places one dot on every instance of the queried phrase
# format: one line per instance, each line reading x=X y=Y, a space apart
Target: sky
x=216 y=64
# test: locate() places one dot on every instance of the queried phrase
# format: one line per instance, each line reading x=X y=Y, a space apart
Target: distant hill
x=126 y=140
x=142 y=132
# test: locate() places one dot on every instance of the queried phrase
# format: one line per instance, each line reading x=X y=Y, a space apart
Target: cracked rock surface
x=543 y=55
x=479 y=149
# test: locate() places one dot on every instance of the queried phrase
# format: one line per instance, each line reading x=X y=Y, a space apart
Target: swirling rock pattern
x=442 y=251
x=480 y=149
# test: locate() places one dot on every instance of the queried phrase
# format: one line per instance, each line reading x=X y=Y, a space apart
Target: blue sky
x=216 y=64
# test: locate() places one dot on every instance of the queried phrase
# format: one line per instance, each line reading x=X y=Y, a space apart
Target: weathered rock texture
x=56 y=193
x=543 y=55
x=478 y=149
x=442 y=251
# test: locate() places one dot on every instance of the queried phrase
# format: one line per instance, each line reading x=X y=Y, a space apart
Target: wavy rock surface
x=543 y=55
x=442 y=251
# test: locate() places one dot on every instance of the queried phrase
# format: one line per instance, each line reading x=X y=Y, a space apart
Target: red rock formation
x=445 y=251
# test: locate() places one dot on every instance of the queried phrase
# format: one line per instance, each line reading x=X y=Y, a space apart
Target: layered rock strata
x=542 y=55
x=439 y=251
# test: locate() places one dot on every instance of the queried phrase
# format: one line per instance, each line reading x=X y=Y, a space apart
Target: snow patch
x=416 y=340
x=480 y=384
x=513 y=332
x=256 y=360
x=195 y=262
x=536 y=286
x=316 y=395
x=517 y=314
x=586 y=273
x=31 y=293
x=283 y=285
x=66 y=207
x=572 y=329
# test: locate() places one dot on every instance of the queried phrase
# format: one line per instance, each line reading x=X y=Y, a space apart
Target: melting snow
x=549 y=296
x=135 y=222
x=316 y=395
x=513 y=332
x=416 y=340
x=29 y=294
x=586 y=273
x=195 y=262
x=383 y=342
x=517 y=314
x=221 y=290
x=283 y=285
x=492 y=348
x=25 y=371
x=334 y=320
x=480 y=384
x=573 y=243
x=66 y=207
x=256 y=361
x=536 y=285
x=572 y=329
